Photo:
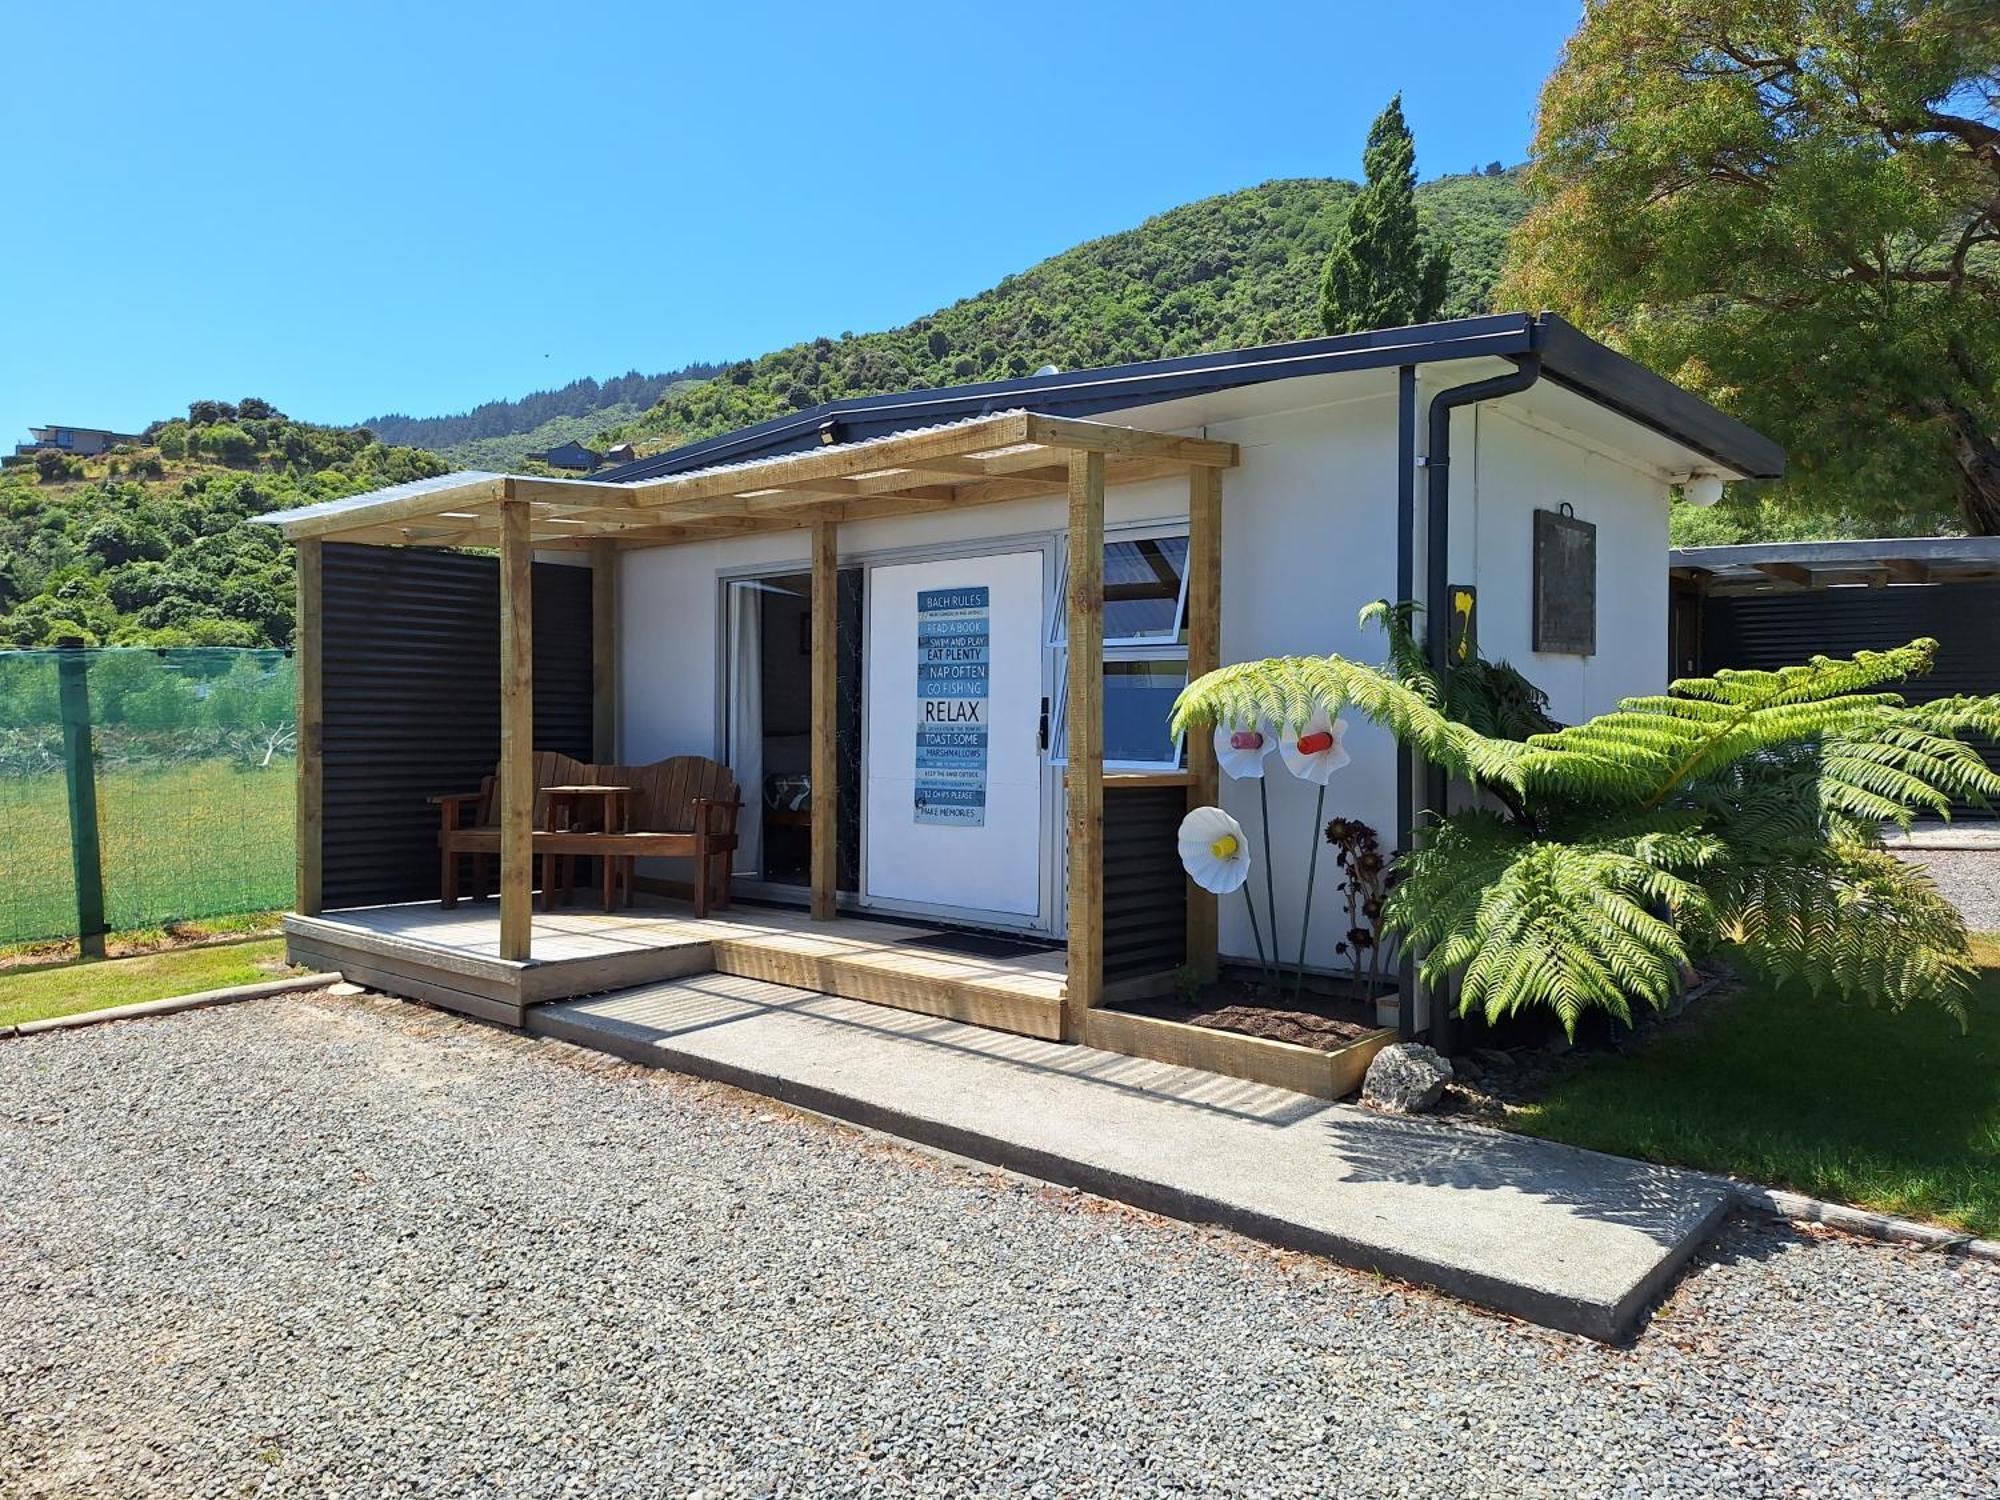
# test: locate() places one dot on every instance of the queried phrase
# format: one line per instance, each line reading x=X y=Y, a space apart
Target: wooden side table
x=565 y=803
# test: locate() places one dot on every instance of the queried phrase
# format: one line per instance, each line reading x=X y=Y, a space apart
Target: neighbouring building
x=570 y=455
x=84 y=442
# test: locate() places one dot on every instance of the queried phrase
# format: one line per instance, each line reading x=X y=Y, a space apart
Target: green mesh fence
x=193 y=752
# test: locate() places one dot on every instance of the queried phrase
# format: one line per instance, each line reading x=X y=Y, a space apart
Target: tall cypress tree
x=1384 y=272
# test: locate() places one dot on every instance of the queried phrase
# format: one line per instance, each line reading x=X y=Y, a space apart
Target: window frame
x=1172 y=646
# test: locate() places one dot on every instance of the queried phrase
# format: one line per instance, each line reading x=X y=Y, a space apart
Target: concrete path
x=1562 y=1237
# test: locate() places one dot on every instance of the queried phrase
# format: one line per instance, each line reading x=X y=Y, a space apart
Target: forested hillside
x=152 y=545
x=1238 y=269
x=499 y=434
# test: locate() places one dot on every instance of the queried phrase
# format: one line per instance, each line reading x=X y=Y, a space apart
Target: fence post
x=80 y=772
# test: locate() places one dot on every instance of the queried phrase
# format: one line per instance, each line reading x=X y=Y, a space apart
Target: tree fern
x=1744 y=808
x=1525 y=922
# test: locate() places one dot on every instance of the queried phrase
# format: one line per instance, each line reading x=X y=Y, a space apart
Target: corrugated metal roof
x=442 y=484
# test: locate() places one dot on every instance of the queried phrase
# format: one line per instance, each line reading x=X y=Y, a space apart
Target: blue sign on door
x=953 y=662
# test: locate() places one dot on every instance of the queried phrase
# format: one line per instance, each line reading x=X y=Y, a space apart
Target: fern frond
x=1651 y=748
x=1524 y=922
x=1487 y=697
x=1286 y=691
x=1910 y=761
x=1845 y=920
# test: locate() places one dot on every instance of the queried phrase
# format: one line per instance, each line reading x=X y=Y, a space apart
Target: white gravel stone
x=1969 y=878
x=355 y=1248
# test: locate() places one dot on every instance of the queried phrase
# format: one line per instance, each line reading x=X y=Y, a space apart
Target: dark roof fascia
x=1601 y=374
x=1569 y=357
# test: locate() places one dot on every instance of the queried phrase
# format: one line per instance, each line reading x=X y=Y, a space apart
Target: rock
x=1493 y=1057
x=1406 y=1078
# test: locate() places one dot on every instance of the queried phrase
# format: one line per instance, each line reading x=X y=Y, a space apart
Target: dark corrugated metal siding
x=1145 y=892
x=411 y=648
x=1782 y=629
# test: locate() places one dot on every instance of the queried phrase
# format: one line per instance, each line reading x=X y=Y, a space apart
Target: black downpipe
x=1437 y=564
x=1406 y=588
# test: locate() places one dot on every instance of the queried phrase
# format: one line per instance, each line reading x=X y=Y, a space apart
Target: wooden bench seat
x=684 y=807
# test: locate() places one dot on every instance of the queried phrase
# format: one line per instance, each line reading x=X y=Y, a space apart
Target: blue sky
x=356 y=208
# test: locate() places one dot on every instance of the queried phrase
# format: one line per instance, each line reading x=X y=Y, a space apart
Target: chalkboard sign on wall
x=1565 y=583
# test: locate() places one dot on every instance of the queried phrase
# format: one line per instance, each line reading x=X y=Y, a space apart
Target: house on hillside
x=570 y=455
x=84 y=442
x=935 y=636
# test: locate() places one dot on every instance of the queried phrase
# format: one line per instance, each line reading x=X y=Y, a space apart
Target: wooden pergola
x=986 y=460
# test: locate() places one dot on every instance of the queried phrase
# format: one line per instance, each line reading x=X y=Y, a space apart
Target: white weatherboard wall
x=1517 y=469
x=1309 y=537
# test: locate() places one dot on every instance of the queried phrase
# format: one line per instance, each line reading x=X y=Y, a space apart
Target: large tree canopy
x=1792 y=206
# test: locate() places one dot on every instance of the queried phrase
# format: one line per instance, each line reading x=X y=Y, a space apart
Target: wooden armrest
x=703 y=806
x=443 y=797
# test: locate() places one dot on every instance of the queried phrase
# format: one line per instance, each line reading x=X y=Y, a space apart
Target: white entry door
x=953 y=815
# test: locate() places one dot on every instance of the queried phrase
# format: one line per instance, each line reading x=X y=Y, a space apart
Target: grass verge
x=1898 y=1113
x=67 y=989
x=137 y=940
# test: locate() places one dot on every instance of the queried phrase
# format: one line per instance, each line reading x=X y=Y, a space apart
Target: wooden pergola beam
x=412 y=507
x=1011 y=456
x=517 y=732
x=1786 y=572
x=1204 y=627
x=1084 y=986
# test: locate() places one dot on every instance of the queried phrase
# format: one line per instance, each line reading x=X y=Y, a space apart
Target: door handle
x=1042 y=734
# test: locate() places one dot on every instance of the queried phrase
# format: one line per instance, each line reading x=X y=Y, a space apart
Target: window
x=1145 y=649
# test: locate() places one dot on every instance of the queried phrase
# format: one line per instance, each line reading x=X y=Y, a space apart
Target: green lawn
x=1899 y=1113
x=201 y=839
x=34 y=994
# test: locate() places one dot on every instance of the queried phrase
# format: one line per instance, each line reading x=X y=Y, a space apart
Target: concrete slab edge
x=1609 y=1323
x=1777 y=1203
x=261 y=990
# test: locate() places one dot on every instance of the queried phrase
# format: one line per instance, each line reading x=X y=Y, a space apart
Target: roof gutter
x=1437 y=491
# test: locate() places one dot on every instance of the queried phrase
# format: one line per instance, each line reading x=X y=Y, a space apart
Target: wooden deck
x=452 y=958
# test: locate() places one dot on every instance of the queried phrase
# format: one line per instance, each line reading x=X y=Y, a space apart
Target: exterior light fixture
x=1702 y=489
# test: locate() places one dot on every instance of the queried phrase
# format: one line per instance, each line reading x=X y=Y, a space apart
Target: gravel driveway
x=340 y=1247
x=1969 y=878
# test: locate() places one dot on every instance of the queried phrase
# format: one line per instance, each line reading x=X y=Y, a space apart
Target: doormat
x=974 y=944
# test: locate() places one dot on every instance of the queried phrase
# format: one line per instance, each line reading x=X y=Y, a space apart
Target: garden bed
x=1324 y=1023
x=1312 y=1044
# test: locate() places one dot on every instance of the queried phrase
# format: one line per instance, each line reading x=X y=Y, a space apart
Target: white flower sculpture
x=1239 y=753
x=1213 y=851
x=1316 y=751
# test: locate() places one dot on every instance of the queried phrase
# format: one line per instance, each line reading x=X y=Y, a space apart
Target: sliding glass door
x=767 y=703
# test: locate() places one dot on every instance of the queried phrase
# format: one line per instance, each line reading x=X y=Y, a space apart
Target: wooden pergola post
x=310 y=791
x=517 y=730
x=825 y=690
x=1085 y=711
x=604 y=651
x=1204 y=626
